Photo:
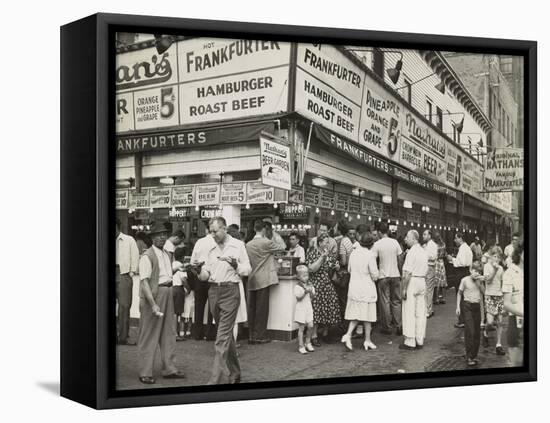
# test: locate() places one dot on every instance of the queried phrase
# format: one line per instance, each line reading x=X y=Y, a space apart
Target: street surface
x=443 y=350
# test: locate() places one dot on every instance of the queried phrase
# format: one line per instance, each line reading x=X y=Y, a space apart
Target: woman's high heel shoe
x=369 y=345
x=346 y=340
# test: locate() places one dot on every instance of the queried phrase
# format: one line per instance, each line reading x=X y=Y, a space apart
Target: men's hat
x=158 y=227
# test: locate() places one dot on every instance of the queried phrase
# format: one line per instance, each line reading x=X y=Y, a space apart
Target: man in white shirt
x=175 y=240
x=127 y=256
x=226 y=263
x=199 y=255
x=413 y=293
x=431 y=250
x=157 y=324
x=389 y=284
x=296 y=250
x=461 y=266
x=509 y=250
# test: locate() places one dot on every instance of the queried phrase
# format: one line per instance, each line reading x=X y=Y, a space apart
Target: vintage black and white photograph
x=292 y=211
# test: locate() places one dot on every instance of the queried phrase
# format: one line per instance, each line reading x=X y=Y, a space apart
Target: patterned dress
x=440 y=275
x=326 y=308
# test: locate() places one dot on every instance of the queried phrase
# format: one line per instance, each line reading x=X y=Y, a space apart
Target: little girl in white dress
x=303 y=312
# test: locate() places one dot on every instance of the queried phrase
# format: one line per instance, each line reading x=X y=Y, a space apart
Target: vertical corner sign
x=275 y=162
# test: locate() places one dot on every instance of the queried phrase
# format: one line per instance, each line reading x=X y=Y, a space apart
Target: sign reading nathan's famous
x=504 y=170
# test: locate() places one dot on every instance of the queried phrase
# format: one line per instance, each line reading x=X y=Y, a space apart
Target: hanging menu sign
x=160 y=197
x=121 y=199
x=312 y=196
x=208 y=194
x=183 y=196
x=342 y=201
x=256 y=192
x=327 y=199
x=234 y=193
x=372 y=208
x=139 y=200
x=296 y=196
x=355 y=205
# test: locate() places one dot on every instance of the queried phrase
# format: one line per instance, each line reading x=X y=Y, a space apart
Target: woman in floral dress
x=326 y=308
x=440 y=275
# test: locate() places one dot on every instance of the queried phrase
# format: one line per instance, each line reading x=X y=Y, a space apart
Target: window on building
x=456 y=134
x=508 y=129
x=378 y=62
x=499 y=118
x=439 y=118
x=469 y=145
x=513 y=134
x=429 y=109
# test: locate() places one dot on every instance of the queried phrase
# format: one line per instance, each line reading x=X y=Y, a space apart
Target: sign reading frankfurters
x=275 y=162
x=503 y=170
x=225 y=79
x=329 y=88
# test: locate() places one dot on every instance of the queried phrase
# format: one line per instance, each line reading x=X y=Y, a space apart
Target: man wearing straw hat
x=156 y=307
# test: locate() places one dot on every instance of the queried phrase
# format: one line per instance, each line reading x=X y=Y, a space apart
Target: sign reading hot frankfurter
x=503 y=170
x=275 y=162
x=226 y=79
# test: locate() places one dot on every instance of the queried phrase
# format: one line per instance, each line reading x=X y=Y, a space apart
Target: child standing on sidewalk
x=471 y=289
x=303 y=313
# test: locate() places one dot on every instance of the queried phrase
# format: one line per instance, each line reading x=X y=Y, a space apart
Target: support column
x=232 y=214
x=394 y=210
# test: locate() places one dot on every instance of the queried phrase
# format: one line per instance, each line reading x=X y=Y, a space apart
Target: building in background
x=497 y=84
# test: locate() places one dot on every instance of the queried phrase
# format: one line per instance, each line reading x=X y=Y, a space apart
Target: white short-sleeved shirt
x=416 y=262
x=387 y=249
x=512 y=283
x=431 y=250
x=165 y=266
x=493 y=287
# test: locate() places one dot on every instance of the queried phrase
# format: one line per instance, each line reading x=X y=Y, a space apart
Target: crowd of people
x=350 y=279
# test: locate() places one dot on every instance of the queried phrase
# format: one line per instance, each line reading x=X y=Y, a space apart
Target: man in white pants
x=413 y=294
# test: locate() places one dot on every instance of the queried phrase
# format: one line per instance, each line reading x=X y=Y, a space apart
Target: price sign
x=208 y=194
x=256 y=192
x=327 y=199
x=342 y=201
x=233 y=193
x=139 y=200
x=183 y=196
x=312 y=196
x=355 y=205
x=121 y=199
x=160 y=197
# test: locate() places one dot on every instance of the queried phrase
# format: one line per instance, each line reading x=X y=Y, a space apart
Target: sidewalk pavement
x=443 y=350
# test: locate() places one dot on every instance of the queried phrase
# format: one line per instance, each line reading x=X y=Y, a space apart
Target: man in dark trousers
x=157 y=319
x=263 y=275
x=226 y=264
x=198 y=257
x=127 y=257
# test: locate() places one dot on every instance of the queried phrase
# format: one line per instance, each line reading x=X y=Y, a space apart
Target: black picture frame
x=87 y=206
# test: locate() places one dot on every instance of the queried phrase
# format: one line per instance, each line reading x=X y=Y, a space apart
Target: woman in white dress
x=362 y=297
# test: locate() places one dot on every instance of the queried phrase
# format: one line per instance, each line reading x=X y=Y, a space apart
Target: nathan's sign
x=275 y=163
x=145 y=68
x=504 y=170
